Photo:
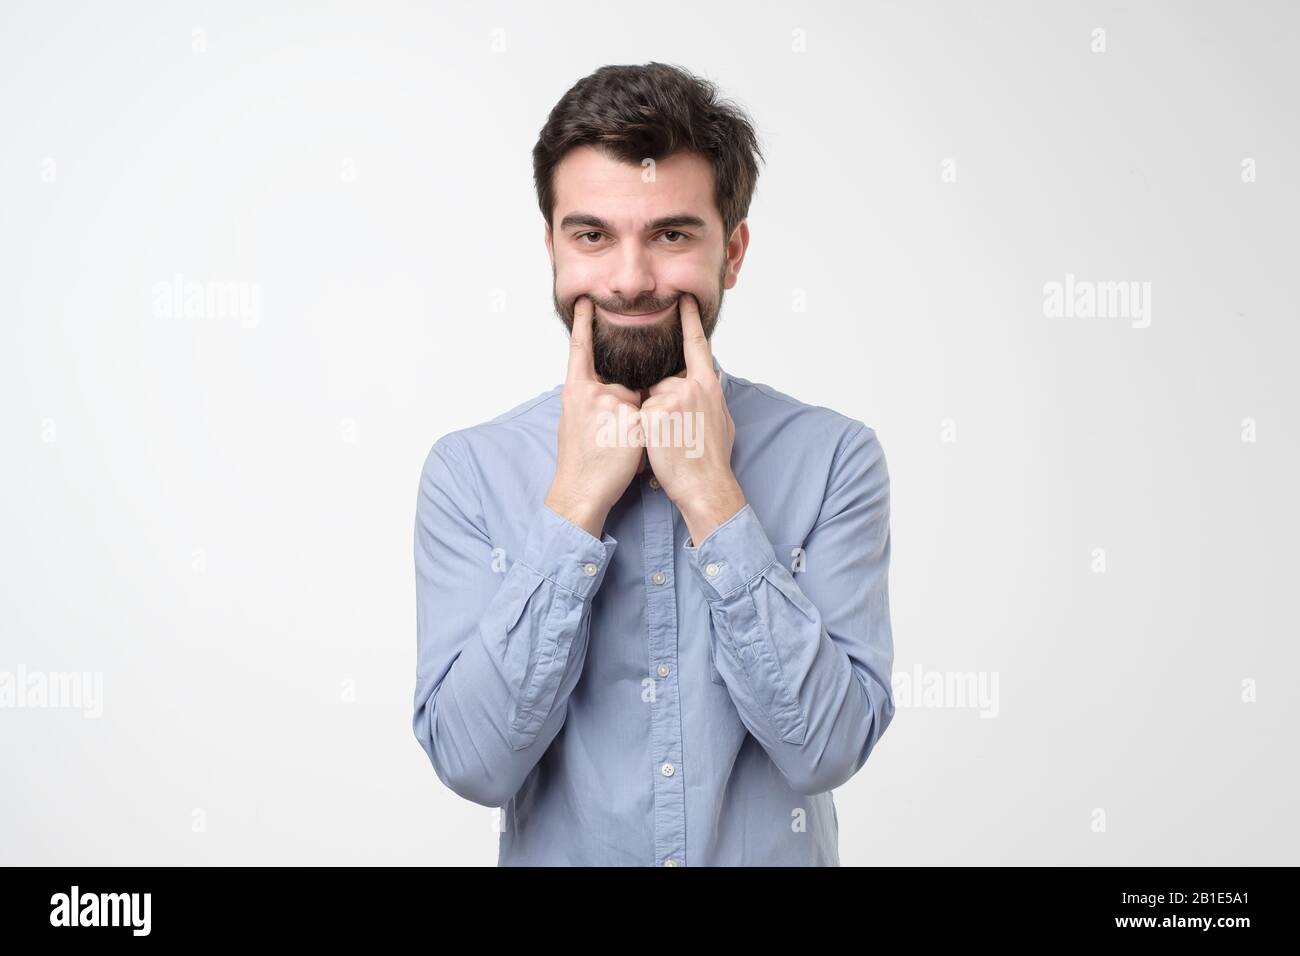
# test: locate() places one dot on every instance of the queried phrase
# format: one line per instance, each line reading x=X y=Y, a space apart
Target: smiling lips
x=647 y=318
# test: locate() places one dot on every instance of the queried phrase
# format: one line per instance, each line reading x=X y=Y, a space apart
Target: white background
x=216 y=516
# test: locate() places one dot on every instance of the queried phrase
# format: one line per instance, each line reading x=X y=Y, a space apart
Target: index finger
x=699 y=356
x=582 y=366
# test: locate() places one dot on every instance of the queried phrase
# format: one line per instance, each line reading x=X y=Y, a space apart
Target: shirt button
x=654 y=483
x=663 y=670
x=589 y=569
x=670 y=862
x=658 y=577
x=667 y=770
x=711 y=570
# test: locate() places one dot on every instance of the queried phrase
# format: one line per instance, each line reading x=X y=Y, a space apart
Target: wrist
x=704 y=512
x=574 y=508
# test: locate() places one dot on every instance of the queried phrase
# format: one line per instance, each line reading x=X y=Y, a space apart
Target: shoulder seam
x=509 y=417
x=769 y=392
x=443 y=448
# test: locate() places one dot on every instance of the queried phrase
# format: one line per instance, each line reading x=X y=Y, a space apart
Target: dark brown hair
x=650 y=112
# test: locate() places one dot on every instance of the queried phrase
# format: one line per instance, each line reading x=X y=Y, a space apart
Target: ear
x=550 y=245
x=736 y=253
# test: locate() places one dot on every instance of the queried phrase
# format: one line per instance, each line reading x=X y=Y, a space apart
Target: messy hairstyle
x=650 y=112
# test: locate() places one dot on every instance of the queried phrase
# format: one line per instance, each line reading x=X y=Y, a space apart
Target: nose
x=632 y=276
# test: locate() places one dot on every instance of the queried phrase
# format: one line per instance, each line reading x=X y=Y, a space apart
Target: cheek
x=571 y=280
x=697 y=278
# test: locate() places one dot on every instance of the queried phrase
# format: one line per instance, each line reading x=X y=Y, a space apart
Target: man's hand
x=689 y=434
x=600 y=448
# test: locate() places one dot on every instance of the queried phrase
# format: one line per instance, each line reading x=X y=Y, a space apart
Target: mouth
x=645 y=318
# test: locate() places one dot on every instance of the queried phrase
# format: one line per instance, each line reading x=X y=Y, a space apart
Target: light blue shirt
x=641 y=700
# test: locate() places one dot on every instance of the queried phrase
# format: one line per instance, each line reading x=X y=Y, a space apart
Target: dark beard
x=639 y=356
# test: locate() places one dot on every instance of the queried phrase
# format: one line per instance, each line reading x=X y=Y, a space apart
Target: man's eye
x=585 y=238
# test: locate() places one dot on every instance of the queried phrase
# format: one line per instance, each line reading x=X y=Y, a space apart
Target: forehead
x=591 y=181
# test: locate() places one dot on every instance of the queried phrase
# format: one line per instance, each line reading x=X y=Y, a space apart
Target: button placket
x=668 y=780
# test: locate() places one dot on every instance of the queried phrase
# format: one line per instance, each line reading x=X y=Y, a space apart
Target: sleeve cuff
x=734 y=553
x=560 y=551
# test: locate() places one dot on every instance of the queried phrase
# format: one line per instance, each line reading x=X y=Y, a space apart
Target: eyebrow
x=675 y=221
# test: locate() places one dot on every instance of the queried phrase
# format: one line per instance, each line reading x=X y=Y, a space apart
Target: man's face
x=634 y=247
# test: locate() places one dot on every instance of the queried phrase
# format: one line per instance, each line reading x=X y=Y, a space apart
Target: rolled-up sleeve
x=501 y=638
x=808 y=662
